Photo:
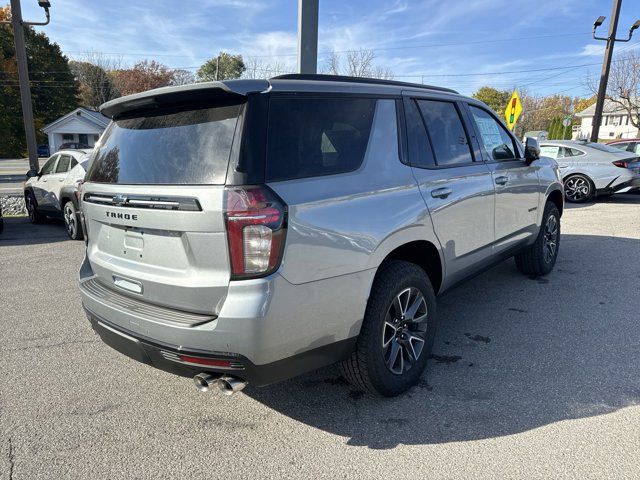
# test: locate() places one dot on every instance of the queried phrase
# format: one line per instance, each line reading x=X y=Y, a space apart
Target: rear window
x=310 y=137
x=185 y=147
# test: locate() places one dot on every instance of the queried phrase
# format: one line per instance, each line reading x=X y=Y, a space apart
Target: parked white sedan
x=590 y=169
x=51 y=192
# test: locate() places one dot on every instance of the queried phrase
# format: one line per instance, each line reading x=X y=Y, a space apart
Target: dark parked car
x=74 y=146
x=43 y=150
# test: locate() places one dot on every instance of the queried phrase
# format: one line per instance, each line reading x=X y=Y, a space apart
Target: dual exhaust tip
x=226 y=384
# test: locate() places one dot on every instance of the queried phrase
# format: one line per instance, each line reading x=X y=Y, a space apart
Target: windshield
x=184 y=147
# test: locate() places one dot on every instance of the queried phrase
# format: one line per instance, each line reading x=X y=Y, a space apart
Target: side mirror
x=32 y=173
x=531 y=150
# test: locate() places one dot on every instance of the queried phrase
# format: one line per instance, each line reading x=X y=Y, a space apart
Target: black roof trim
x=342 y=78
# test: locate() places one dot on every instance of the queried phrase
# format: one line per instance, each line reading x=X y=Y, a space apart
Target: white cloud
x=591 y=50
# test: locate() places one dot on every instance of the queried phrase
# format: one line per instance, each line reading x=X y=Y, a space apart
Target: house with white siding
x=615 y=123
x=81 y=126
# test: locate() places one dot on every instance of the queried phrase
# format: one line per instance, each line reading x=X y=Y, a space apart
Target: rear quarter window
x=309 y=137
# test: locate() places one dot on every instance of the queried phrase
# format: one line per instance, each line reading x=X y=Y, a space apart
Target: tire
x=392 y=369
x=578 y=188
x=540 y=258
x=72 y=222
x=32 y=209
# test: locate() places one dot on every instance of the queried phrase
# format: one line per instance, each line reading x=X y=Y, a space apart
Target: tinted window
x=572 y=152
x=63 y=164
x=74 y=162
x=186 y=147
x=317 y=136
x=49 y=166
x=621 y=146
x=420 y=152
x=447 y=135
x=496 y=142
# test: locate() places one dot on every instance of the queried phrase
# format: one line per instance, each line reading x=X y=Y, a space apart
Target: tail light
x=621 y=164
x=256 y=227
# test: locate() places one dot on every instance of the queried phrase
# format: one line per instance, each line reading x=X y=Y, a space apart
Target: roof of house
x=91 y=116
x=609 y=107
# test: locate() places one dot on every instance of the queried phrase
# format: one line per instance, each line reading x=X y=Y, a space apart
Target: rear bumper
x=630 y=184
x=165 y=357
x=275 y=329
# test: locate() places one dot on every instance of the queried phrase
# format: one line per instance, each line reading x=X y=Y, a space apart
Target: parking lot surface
x=531 y=378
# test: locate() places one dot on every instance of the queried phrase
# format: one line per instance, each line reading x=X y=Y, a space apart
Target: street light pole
x=308 y=36
x=23 y=76
x=606 y=65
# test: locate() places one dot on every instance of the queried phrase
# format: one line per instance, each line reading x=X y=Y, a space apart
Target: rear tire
x=32 y=209
x=540 y=258
x=578 y=188
x=72 y=222
x=397 y=332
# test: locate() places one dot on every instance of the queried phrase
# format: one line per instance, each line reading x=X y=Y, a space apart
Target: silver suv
x=252 y=230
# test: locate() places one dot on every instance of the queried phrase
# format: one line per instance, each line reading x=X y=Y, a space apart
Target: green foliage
x=222 y=67
x=496 y=99
x=557 y=131
x=54 y=90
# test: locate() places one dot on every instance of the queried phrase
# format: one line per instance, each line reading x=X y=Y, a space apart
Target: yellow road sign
x=513 y=110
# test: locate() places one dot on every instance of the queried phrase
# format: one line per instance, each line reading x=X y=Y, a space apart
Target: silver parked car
x=52 y=192
x=252 y=230
x=590 y=169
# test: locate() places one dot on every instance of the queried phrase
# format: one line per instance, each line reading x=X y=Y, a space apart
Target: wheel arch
x=557 y=197
x=423 y=253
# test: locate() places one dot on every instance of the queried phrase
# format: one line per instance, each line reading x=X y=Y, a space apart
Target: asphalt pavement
x=531 y=378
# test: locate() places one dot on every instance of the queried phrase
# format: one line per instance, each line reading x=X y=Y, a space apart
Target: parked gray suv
x=252 y=230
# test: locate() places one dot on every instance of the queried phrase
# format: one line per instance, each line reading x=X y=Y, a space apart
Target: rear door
x=56 y=181
x=516 y=182
x=457 y=189
x=153 y=204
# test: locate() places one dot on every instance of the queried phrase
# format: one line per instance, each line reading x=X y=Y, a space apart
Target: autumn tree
x=223 y=67
x=96 y=85
x=144 y=75
x=495 y=99
x=54 y=90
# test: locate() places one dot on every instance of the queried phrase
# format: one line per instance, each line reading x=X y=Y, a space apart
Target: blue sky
x=453 y=43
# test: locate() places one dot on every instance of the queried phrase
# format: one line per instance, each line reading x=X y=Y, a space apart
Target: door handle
x=502 y=180
x=441 y=192
x=61 y=179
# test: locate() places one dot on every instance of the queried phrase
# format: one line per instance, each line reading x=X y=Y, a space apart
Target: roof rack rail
x=343 y=78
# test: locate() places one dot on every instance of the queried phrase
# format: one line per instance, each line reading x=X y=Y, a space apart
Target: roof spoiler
x=194 y=93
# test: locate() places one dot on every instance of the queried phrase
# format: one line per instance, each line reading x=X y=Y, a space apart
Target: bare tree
x=356 y=63
x=96 y=84
x=623 y=89
x=256 y=68
x=182 y=77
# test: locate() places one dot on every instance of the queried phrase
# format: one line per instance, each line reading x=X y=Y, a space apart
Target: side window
x=621 y=146
x=550 y=151
x=49 y=166
x=309 y=137
x=420 y=152
x=496 y=142
x=446 y=132
x=74 y=162
x=63 y=164
x=636 y=148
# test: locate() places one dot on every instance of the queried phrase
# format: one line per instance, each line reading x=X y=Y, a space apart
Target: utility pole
x=218 y=67
x=308 y=36
x=606 y=65
x=23 y=75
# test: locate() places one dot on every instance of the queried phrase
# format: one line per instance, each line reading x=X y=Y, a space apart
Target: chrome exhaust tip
x=205 y=381
x=230 y=385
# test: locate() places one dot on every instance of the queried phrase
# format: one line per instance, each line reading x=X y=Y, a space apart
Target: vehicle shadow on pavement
x=620 y=198
x=512 y=354
x=20 y=231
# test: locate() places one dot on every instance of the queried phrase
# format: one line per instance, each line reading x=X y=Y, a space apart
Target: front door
x=41 y=183
x=83 y=139
x=458 y=190
x=516 y=183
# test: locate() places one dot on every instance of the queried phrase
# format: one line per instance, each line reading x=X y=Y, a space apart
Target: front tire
x=32 y=209
x=540 y=258
x=578 y=189
x=72 y=222
x=397 y=332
